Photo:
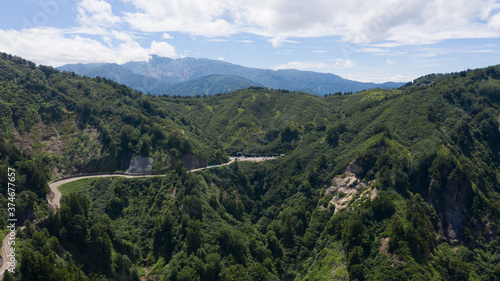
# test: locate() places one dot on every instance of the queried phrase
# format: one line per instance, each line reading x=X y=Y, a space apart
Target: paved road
x=5 y=248
x=54 y=203
x=232 y=159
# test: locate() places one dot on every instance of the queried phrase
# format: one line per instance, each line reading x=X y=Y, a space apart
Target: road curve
x=54 y=202
x=5 y=249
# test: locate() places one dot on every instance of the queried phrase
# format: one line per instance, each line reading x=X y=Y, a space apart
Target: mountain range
x=191 y=76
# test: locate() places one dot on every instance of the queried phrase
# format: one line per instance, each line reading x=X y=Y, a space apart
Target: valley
x=55 y=197
x=382 y=184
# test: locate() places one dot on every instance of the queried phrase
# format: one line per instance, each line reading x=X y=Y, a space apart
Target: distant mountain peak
x=169 y=71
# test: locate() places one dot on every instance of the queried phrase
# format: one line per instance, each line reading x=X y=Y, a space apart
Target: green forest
x=398 y=184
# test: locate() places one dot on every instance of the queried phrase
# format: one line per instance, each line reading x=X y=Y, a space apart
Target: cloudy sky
x=384 y=40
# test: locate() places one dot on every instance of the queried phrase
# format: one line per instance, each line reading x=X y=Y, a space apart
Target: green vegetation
x=74 y=187
x=379 y=185
x=83 y=125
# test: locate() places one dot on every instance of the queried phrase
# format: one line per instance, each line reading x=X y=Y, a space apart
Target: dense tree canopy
x=398 y=184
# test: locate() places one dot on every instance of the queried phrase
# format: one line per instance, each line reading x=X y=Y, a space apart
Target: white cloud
x=217 y=40
x=378 y=77
x=372 y=50
x=167 y=36
x=399 y=78
x=162 y=49
x=276 y=42
x=54 y=47
x=279 y=40
x=317 y=66
x=193 y=17
x=357 y=21
x=302 y=65
x=388 y=61
x=122 y=36
x=96 y=13
x=387 y=45
x=363 y=26
x=343 y=63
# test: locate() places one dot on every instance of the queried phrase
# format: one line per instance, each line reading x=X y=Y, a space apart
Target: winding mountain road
x=54 y=203
x=5 y=250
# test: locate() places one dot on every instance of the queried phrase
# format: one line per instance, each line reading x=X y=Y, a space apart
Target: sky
x=370 y=41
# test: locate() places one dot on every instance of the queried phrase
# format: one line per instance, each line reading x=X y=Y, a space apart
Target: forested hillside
x=378 y=185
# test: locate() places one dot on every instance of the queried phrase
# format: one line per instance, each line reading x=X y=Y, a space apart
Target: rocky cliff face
x=141 y=165
x=452 y=202
x=193 y=162
x=449 y=192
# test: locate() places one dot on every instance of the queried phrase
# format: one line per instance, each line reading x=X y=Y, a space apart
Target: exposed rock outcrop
x=141 y=165
x=193 y=162
x=452 y=202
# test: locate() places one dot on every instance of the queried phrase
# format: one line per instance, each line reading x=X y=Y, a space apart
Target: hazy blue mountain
x=81 y=67
x=121 y=75
x=185 y=69
x=172 y=72
x=211 y=84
